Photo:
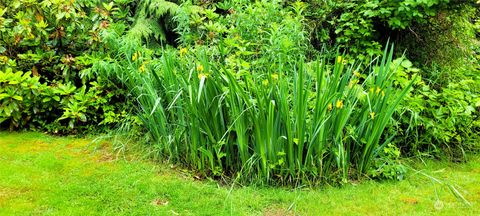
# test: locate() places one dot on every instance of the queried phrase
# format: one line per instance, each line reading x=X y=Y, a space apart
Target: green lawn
x=44 y=175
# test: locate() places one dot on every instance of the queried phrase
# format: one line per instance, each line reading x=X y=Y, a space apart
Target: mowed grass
x=44 y=175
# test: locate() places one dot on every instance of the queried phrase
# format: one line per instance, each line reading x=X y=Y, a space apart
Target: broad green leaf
x=17 y=97
x=407 y=64
x=4 y=95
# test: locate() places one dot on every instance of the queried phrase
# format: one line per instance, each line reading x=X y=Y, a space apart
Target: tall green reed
x=294 y=123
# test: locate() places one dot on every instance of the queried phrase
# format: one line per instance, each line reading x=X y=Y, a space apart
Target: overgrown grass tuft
x=300 y=122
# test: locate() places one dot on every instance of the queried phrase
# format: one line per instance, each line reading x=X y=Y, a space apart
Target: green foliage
x=274 y=91
x=440 y=116
x=151 y=23
x=257 y=93
x=362 y=26
x=443 y=121
x=47 y=36
x=63 y=108
x=448 y=44
x=56 y=41
x=257 y=111
x=17 y=94
x=387 y=165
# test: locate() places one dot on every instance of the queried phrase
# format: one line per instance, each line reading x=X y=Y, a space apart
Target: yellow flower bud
x=275 y=76
x=265 y=82
x=202 y=76
x=4 y=59
x=356 y=73
x=200 y=68
x=339 y=104
x=339 y=59
x=136 y=55
x=183 y=51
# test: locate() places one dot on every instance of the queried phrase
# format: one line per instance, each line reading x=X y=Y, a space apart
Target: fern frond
x=159 y=8
x=145 y=28
x=147 y=24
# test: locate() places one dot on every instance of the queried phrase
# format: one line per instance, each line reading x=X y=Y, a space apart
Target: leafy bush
x=47 y=36
x=362 y=26
x=17 y=94
x=55 y=42
x=387 y=164
x=438 y=122
x=63 y=108
x=448 y=44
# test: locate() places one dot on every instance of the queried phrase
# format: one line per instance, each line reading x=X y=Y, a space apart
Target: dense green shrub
x=438 y=122
x=55 y=42
x=47 y=36
x=441 y=116
x=63 y=108
x=363 y=26
x=17 y=94
x=448 y=43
